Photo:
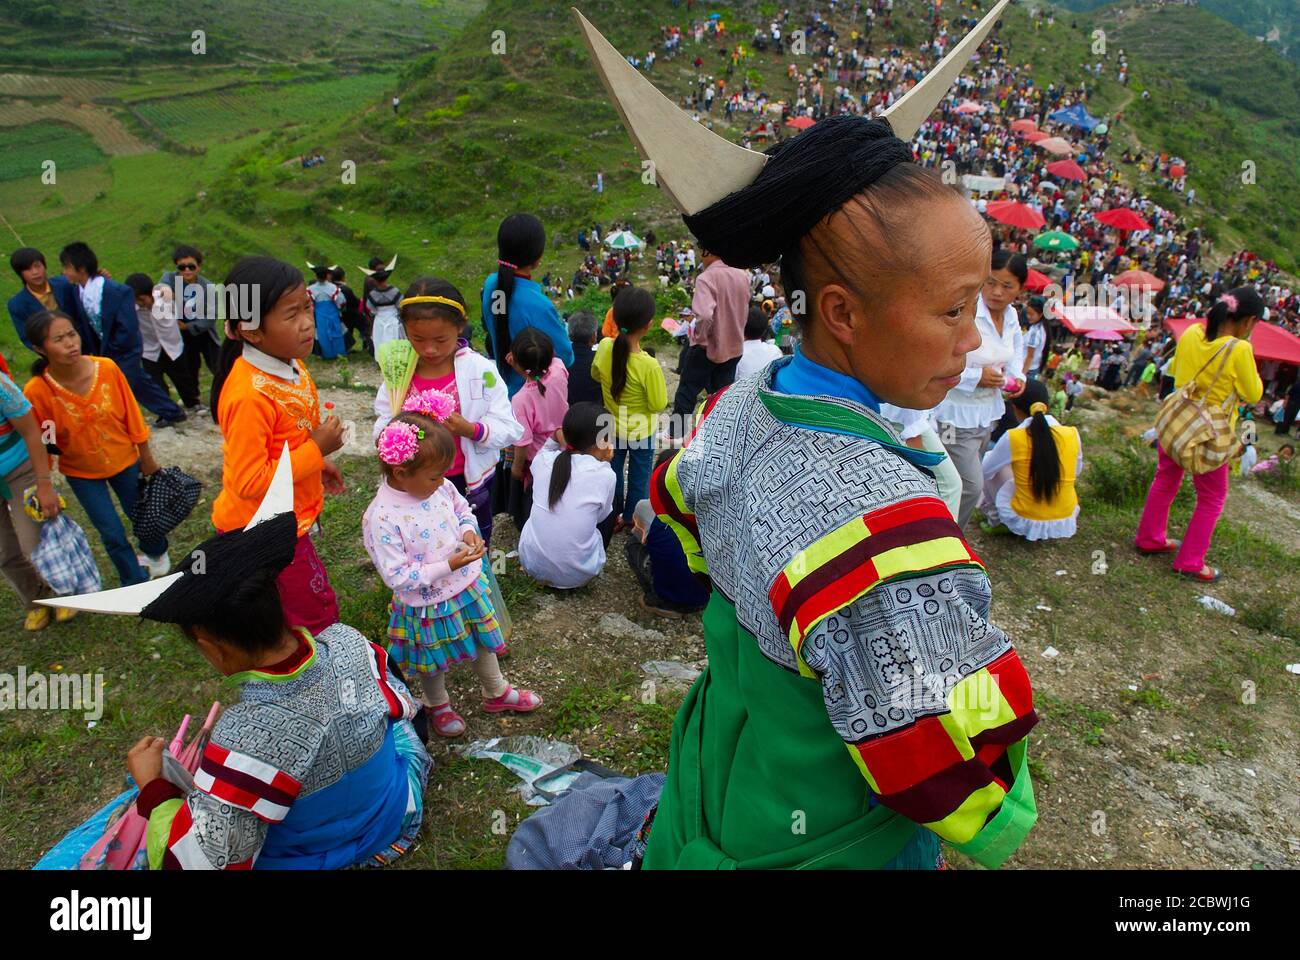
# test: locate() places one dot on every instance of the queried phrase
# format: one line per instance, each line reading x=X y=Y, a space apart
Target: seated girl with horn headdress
x=318 y=766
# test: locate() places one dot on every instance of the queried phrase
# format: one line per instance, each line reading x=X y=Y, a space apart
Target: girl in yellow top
x=1030 y=474
x=632 y=383
x=102 y=440
x=1229 y=326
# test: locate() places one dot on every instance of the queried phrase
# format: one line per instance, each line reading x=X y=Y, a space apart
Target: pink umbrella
x=1084 y=319
x=1057 y=145
x=969 y=106
x=122 y=847
x=1066 y=170
x=1015 y=214
x=1139 y=278
x=1037 y=136
x=1103 y=335
x=1025 y=126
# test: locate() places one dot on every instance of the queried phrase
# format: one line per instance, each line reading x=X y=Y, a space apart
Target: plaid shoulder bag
x=1197 y=435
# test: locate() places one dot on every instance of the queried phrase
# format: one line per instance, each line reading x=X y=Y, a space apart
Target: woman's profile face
x=911 y=349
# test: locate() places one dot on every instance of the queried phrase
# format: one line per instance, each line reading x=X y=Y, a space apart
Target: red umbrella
x=801 y=122
x=1025 y=126
x=1268 y=340
x=1139 y=278
x=1122 y=218
x=1037 y=282
x=1066 y=170
x=1015 y=214
x=1037 y=136
x=1177 y=171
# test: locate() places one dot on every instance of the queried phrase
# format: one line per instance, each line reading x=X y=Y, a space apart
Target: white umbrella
x=624 y=240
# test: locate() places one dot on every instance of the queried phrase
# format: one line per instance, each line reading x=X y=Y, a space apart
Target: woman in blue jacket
x=512 y=300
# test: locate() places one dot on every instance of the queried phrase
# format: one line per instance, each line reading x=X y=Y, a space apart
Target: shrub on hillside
x=1121 y=478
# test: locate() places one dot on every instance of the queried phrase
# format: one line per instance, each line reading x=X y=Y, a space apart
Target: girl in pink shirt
x=422 y=537
x=542 y=402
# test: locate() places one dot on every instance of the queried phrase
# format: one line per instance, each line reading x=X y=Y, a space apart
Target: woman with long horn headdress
x=381 y=299
x=858 y=705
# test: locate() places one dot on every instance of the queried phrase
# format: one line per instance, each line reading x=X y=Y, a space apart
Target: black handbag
x=165 y=499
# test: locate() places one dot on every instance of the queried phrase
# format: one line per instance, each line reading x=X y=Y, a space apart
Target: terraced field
x=108 y=132
x=202 y=118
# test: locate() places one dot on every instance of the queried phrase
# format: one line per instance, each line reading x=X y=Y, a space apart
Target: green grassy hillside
x=1257 y=18
x=95 y=34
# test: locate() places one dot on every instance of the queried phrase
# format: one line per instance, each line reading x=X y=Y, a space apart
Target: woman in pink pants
x=1233 y=317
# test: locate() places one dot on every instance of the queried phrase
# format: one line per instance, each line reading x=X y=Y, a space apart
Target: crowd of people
x=780 y=465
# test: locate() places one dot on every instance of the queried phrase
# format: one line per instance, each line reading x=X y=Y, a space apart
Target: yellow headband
x=1038 y=407
x=443 y=300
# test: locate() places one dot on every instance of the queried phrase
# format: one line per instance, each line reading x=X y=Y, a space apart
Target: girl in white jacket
x=432 y=356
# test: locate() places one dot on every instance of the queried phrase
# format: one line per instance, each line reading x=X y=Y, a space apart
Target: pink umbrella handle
x=178 y=741
x=212 y=717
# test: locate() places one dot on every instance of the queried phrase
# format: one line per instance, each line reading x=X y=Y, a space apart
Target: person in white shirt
x=564 y=541
x=758 y=351
x=1035 y=337
x=975 y=403
x=160 y=338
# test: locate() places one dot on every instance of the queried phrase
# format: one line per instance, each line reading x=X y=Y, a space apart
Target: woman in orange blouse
x=263 y=397
x=100 y=436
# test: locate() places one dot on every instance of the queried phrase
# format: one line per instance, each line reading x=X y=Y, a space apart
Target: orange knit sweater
x=258 y=413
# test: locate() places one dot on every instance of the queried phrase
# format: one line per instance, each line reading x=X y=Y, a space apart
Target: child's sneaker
x=446 y=721
x=513 y=701
x=155 y=566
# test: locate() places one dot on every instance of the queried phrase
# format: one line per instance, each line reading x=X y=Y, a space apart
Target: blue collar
x=808 y=378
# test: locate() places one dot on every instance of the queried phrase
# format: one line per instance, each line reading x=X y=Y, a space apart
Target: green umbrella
x=1055 y=240
x=624 y=240
x=1102 y=129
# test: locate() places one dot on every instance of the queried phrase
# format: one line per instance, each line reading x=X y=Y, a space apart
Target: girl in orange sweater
x=100 y=436
x=263 y=397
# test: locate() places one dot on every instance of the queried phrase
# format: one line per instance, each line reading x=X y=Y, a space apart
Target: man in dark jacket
x=40 y=292
x=112 y=330
x=197 y=311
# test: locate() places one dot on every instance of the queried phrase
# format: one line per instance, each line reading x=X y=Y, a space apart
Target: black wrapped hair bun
x=806 y=178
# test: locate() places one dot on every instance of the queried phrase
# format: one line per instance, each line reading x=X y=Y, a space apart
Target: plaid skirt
x=431 y=639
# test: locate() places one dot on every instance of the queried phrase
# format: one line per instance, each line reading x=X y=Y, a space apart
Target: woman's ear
x=214 y=651
x=836 y=313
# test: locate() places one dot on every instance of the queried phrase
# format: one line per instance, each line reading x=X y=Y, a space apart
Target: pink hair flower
x=433 y=402
x=399 y=443
x=1230 y=300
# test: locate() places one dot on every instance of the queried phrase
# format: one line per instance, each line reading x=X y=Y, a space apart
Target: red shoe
x=1171 y=546
x=1206 y=574
x=513 y=701
x=446 y=721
